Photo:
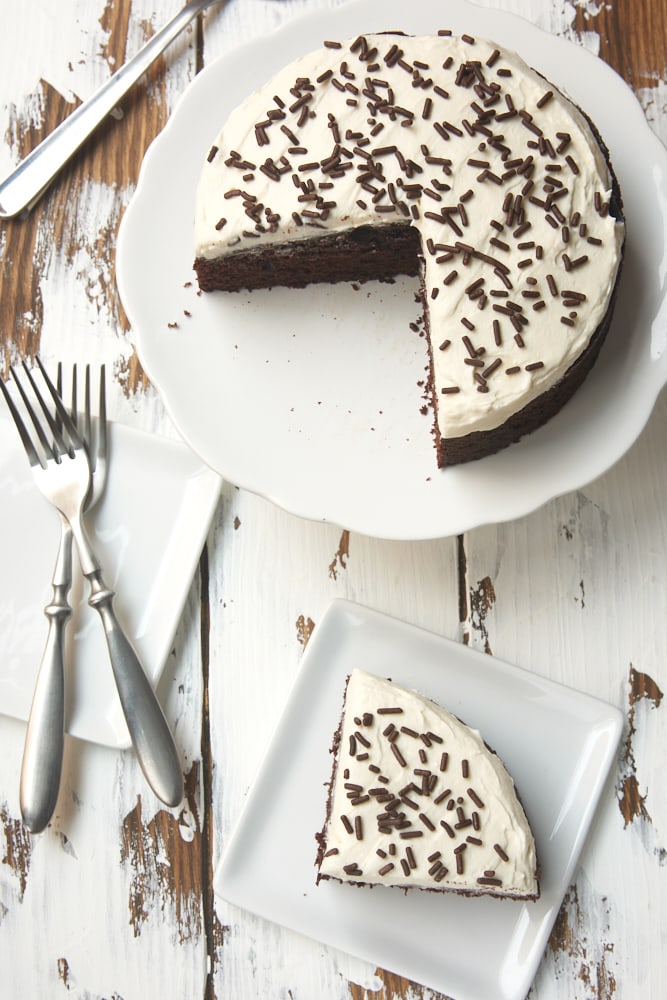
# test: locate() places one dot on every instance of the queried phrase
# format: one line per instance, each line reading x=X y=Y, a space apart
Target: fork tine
x=58 y=447
x=99 y=451
x=33 y=456
x=87 y=425
x=68 y=424
x=59 y=383
x=102 y=416
x=74 y=404
x=55 y=447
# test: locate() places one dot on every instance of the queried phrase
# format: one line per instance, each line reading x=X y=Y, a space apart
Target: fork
x=61 y=471
x=45 y=734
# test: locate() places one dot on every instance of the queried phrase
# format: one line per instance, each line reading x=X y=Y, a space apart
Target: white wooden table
x=115 y=899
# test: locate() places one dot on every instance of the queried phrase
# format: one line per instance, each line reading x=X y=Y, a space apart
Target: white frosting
x=528 y=142
x=462 y=804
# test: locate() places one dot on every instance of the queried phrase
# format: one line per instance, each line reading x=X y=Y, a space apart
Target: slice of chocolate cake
x=443 y=157
x=418 y=800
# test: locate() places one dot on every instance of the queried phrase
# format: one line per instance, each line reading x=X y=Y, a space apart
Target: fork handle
x=150 y=734
x=43 y=751
x=151 y=737
x=45 y=736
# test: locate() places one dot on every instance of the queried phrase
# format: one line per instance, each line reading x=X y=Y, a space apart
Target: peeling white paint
x=67 y=51
x=557 y=18
x=187 y=820
x=654 y=102
x=67 y=54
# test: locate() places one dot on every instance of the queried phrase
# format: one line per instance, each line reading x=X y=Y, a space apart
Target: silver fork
x=61 y=471
x=45 y=734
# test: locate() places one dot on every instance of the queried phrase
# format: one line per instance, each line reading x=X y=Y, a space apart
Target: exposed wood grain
x=17 y=850
x=163 y=866
x=631 y=800
x=393 y=988
x=592 y=957
x=213 y=931
x=633 y=37
x=339 y=561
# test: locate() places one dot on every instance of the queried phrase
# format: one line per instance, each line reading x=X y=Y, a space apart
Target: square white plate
x=557 y=743
x=148 y=531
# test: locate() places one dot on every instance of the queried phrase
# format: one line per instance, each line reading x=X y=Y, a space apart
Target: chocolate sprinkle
x=475 y=798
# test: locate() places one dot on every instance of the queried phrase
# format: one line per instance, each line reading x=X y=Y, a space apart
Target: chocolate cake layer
x=362 y=254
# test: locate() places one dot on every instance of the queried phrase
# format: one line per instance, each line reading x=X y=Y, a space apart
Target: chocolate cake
x=443 y=157
x=418 y=800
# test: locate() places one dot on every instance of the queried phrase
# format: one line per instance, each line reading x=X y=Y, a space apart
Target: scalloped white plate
x=310 y=397
x=148 y=530
x=558 y=744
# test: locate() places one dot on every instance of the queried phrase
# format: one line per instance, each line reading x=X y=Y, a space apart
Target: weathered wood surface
x=115 y=900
